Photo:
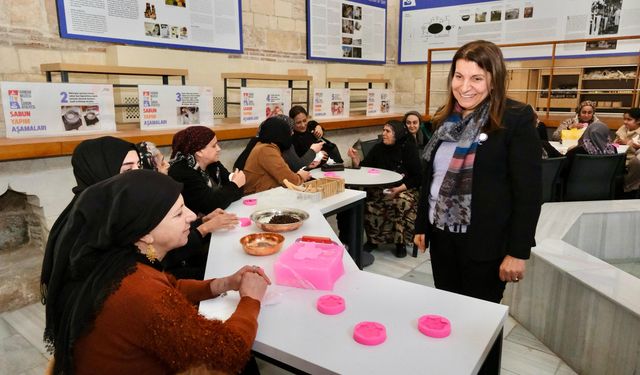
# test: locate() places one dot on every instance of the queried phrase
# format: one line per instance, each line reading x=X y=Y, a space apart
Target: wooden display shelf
x=64 y=70
x=226 y=129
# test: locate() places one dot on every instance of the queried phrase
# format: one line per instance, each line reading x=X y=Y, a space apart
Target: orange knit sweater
x=150 y=326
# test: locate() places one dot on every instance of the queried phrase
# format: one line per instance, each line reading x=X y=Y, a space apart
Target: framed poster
x=347 y=31
x=53 y=109
x=379 y=102
x=170 y=107
x=428 y=24
x=258 y=104
x=331 y=103
x=190 y=24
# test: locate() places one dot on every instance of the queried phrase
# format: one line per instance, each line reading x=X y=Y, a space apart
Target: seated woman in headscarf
x=93 y=160
x=110 y=310
x=596 y=140
x=265 y=167
x=585 y=115
x=390 y=213
x=293 y=160
x=190 y=260
x=195 y=163
x=413 y=121
x=306 y=133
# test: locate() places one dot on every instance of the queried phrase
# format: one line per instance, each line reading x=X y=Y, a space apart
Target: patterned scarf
x=453 y=206
x=191 y=162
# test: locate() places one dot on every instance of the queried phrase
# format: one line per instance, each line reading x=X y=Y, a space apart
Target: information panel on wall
x=258 y=104
x=52 y=109
x=428 y=24
x=166 y=107
x=347 y=31
x=190 y=24
x=379 y=102
x=331 y=103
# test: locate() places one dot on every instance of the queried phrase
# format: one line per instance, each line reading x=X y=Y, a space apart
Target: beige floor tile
x=564 y=369
x=29 y=322
x=521 y=336
x=18 y=355
x=526 y=361
x=509 y=324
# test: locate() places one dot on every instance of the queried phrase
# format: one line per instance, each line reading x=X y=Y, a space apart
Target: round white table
x=363 y=177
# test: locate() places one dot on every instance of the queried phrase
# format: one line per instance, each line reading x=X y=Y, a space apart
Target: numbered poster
x=259 y=104
x=330 y=103
x=52 y=109
x=379 y=102
x=170 y=107
x=347 y=31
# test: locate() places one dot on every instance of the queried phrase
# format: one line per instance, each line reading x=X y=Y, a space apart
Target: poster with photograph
x=379 y=102
x=190 y=24
x=258 y=104
x=330 y=103
x=52 y=109
x=348 y=31
x=428 y=24
x=171 y=107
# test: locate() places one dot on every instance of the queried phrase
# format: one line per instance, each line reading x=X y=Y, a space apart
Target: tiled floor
x=22 y=350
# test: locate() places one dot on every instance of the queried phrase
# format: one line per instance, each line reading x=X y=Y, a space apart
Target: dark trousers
x=455 y=271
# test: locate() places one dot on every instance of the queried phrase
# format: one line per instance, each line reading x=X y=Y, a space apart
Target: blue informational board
x=426 y=24
x=354 y=32
x=201 y=25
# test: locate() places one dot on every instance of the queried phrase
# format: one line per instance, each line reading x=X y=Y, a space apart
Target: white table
x=361 y=177
x=292 y=332
x=563 y=148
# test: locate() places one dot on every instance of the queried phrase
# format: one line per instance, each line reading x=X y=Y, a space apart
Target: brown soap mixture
x=283 y=219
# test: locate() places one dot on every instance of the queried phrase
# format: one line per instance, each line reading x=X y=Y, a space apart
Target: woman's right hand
x=419 y=240
x=316 y=147
x=239 y=178
x=306 y=175
x=353 y=154
x=217 y=221
x=253 y=285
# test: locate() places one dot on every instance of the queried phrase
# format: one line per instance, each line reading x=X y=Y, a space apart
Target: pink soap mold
x=309 y=265
x=250 y=202
x=434 y=326
x=331 y=174
x=373 y=171
x=369 y=333
x=244 y=221
x=330 y=304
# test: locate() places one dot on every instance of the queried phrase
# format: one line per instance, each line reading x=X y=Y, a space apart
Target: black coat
x=506 y=192
x=198 y=196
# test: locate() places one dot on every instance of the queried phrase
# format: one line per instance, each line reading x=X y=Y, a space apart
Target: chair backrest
x=368 y=145
x=593 y=177
x=551 y=168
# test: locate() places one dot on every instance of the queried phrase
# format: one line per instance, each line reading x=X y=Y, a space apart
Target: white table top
x=362 y=176
x=292 y=331
x=564 y=148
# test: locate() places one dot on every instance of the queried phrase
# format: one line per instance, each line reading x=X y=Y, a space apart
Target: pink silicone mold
x=330 y=304
x=369 y=333
x=330 y=174
x=250 y=202
x=434 y=326
x=373 y=171
x=244 y=221
x=309 y=265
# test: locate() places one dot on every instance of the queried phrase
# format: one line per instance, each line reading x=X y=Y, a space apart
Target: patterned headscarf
x=191 y=140
x=596 y=140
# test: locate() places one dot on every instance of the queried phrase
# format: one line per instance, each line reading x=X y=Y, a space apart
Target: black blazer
x=507 y=189
x=198 y=196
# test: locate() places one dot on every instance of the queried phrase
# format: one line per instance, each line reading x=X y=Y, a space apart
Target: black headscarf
x=93 y=160
x=95 y=251
x=303 y=140
x=276 y=129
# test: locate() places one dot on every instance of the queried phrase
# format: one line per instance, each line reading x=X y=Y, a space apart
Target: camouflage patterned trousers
x=390 y=221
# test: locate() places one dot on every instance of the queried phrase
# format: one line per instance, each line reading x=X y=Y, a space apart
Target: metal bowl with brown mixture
x=279 y=219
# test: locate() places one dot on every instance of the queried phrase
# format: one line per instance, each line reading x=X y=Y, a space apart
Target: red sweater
x=150 y=326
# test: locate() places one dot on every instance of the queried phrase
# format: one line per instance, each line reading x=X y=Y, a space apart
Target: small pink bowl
x=330 y=304
x=373 y=171
x=434 y=326
x=250 y=202
x=369 y=333
x=244 y=221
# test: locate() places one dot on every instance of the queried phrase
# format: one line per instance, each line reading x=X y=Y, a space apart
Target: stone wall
x=22 y=238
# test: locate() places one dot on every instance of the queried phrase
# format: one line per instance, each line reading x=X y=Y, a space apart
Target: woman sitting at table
x=585 y=115
x=265 y=167
x=110 y=310
x=415 y=126
x=188 y=261
x=629 y=134
x=596 y=140
x=93 y=160
x=390 y=213
x=306 y=133
x=195 y=163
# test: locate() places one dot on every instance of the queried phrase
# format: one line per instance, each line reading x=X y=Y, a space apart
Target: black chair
x=593 y=177
x=368 y=145
x=551 y=181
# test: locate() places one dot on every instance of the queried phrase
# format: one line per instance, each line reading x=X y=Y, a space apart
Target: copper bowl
x=262 y=243
x=262 y=218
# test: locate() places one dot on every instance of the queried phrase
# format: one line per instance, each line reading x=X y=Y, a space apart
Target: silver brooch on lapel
x=482 y=137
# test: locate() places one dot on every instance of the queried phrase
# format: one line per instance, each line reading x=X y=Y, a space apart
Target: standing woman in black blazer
x=482 y=189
